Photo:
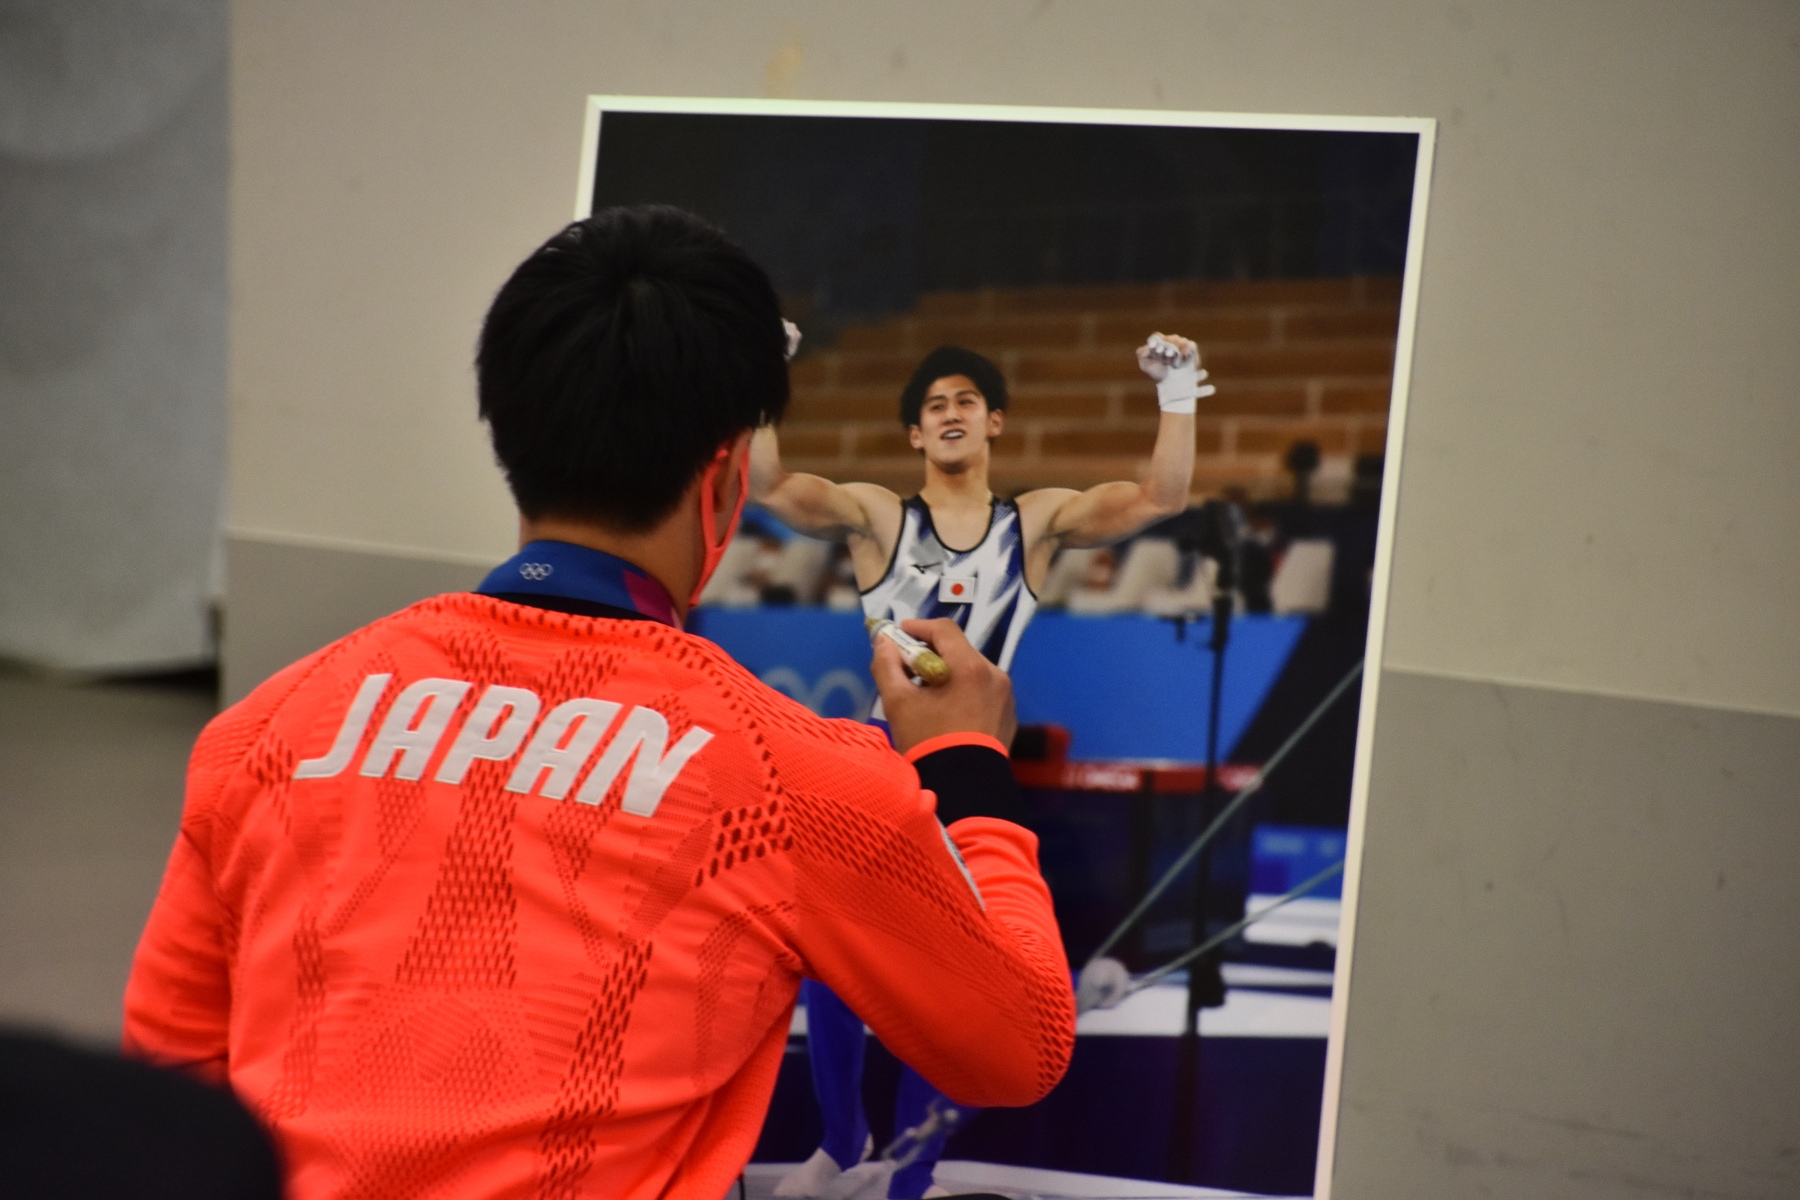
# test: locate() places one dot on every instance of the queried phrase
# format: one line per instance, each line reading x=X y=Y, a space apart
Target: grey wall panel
x=1576 y=968
x=283 y=601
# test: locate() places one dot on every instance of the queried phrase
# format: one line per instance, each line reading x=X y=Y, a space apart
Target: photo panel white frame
x=1426 y=130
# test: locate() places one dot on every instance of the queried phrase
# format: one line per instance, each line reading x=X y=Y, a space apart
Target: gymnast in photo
x=954 y=551
x=511 y=893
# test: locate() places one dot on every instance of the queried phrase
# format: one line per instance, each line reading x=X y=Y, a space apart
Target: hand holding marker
x=921 y=659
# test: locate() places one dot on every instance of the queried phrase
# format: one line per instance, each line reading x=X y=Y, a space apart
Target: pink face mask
x=709 y=518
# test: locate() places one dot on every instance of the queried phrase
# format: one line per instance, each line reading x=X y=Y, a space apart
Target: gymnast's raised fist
x=977 y=698
x=1174 y=363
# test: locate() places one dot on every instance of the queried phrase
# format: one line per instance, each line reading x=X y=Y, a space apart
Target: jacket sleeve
x=178 y=997
x=944 y=942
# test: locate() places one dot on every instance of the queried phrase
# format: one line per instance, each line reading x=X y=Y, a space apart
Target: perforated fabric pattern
x=590 y=1087
x=464 y=990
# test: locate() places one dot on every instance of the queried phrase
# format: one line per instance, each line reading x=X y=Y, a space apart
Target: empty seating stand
x=1292 y=359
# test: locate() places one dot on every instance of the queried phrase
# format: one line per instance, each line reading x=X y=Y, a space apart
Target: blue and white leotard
x=982 y=588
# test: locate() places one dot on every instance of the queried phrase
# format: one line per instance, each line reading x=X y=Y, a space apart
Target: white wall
x=112 y=330
x=1604 y=425
x=1597 y=494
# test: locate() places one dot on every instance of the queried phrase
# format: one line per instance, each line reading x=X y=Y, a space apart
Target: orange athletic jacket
x=486 y=900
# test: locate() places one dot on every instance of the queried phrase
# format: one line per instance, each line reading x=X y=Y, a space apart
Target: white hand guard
x=1179 y=380
x=793 y=337
x=1104 y=983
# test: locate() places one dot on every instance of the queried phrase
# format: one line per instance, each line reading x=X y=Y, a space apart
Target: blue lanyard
x=579 y=572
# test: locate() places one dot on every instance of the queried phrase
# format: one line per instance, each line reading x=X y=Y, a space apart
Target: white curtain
x=112 y=329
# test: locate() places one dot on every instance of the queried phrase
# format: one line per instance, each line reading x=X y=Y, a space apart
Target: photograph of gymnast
x=1113 y=397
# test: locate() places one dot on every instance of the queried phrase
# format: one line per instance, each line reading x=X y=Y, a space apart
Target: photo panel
x=1194 y=717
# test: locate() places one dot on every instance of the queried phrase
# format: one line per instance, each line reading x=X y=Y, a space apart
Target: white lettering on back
x=414 y=727
x=562 y=761
x=645 y=733
x=419 y=718
x=481 y=739
x=349 y=734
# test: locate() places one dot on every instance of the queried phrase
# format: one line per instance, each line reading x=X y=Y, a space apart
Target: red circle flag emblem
x=956 y=589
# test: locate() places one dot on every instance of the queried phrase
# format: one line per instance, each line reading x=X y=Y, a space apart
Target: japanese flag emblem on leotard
x=956 y=589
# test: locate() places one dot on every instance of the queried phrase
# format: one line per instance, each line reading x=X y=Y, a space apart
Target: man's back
x=552 y=950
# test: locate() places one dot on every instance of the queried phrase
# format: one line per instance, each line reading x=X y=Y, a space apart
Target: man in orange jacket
x=511 y=893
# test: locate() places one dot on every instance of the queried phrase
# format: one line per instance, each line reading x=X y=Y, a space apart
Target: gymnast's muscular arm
x=865 y=515
x=1057 y=517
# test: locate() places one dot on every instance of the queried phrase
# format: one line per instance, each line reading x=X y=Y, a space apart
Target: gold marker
x=921 y=659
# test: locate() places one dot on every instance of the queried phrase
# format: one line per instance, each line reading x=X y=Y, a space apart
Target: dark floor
x=90 y=796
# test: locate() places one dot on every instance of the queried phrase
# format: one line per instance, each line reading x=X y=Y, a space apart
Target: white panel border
x=1372 y=658
x=1425 y=128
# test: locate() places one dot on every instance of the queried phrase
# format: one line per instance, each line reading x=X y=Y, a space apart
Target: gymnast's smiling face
x=955 y=424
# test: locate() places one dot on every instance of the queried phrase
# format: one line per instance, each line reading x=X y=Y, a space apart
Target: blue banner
x=819 y=657
x=1285 y=856
x=1122 y=685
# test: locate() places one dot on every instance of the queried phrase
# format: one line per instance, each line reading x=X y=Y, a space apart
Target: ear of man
x=726 y=483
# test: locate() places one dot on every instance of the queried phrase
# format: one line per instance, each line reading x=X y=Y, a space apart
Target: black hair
x=619 y=357
x=952 y=360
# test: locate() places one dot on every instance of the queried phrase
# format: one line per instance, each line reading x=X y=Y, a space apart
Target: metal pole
x=1205 y=987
